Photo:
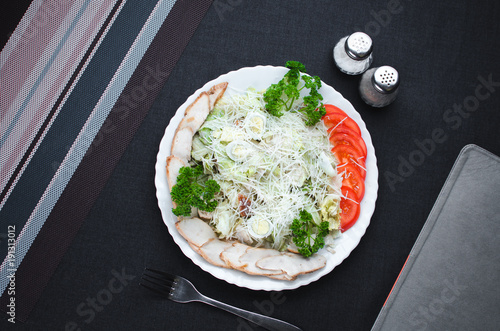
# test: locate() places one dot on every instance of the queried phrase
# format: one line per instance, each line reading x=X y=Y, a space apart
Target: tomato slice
x=350 y=150
x=349 y=154
x=352 y=179
x=330 y=109
x=349 y=210
x=345 y=139
x=334 y=119
x=356 y=139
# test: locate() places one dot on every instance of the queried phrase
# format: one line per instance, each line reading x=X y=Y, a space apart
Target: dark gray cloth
x=447 y=55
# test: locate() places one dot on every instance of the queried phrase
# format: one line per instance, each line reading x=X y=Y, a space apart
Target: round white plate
x=260 y=78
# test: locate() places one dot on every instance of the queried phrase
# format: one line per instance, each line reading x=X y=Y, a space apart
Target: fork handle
x=267 y=322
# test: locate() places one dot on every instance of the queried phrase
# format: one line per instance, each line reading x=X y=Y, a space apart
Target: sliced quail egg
x=255 y=125
x=259 y=227
x=325 y=163
x=238 y=150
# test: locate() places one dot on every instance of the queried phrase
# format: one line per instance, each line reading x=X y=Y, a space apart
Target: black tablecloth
x=446 y=55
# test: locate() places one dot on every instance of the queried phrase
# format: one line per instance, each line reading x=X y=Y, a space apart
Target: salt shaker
x=353 y=54
x=379 y=86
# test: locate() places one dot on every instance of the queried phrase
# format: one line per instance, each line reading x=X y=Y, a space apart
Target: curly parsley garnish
x=281 y=96
x=191 y=191
x=308 y=236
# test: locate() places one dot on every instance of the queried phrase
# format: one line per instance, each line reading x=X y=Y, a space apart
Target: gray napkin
x=450 y=280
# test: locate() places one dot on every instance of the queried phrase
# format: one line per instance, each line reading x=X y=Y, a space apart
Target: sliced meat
x=174 y=164
x=231 y=255
x=196 y=113
x=194 y=117
x=195 y=231
x=212 y=249
x=254 y=254
x=205 y=215
x=182 y=143
x=195 y=248
x=215 y=93
x=241 y=233
x=292 y=264
x=293 y=248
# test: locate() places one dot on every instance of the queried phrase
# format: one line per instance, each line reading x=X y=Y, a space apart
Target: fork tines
x=157 y=281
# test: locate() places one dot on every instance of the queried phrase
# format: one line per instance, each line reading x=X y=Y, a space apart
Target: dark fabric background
x=10 y=15
x=440 y=48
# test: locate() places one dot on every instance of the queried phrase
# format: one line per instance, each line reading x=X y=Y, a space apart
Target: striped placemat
x=77 y=79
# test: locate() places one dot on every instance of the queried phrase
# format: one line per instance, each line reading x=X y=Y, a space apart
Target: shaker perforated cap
x=386 y=79
x=358 y=46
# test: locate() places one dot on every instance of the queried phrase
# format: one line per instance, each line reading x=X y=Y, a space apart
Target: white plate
x=260 y=78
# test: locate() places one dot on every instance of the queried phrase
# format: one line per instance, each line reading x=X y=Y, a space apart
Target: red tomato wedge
x=349 y=209
x=330 y=109
x=348 y=154
x=352 y=179
x=354 y=139
x=335 y=119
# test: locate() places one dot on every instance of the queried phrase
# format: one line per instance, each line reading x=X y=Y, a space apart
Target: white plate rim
x=260 y=77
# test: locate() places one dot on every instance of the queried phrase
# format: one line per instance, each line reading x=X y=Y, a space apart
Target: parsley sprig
x=308 y=236
x=192 y=191
x=281 y=96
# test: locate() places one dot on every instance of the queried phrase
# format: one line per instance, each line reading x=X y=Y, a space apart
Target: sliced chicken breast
x=212 y=249
x=292 y=264
x=195 y=231
x=231 y=255
x=250 y=258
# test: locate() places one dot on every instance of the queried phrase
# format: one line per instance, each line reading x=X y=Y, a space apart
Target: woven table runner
x=77 y=79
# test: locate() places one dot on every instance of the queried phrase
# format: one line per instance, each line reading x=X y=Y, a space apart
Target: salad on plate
x=263 y=180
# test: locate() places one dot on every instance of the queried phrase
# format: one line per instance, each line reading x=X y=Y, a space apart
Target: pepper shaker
x=379 y=86
x=353 y=53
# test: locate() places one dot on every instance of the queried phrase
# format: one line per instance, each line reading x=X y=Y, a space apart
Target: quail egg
x=255 y=125
x=238 y=150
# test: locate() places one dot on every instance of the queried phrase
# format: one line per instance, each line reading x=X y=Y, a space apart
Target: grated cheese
x=281 y=166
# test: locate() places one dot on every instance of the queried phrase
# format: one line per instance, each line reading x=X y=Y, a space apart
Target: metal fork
x=181 y=290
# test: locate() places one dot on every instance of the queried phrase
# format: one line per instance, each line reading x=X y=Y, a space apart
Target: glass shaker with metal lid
x=379 y=86
x=353 y=53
